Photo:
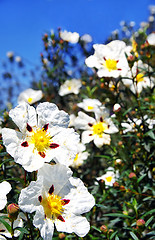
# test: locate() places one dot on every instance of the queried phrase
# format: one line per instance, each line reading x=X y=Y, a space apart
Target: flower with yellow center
x=70 y=86
x=99 y=128
x=58 y=200
x=109 y=60
x=110 y=177
x=43 y=135
x=139 y=77
x=110 y=64
x=89 y=104
x=30 y=96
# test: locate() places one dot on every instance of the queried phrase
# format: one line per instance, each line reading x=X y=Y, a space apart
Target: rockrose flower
x=69 y=36
x=90 y=105
x=5 y=188
x=80 y=156
x=70 y=86
x=96 y=129
x=140 y=77
x=57 y=199
x=43 y=135
x=110 y=59
x=109 y=177
x=30 y=96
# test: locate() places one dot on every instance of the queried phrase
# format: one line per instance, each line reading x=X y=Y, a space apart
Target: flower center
x=29 y=100
x=90 y=107
x=99 y=128
x=140 y=77
x=110 y=64
x=69 y=88
x=76 y=158
x=41 y=140
x=53 y=206
x=109 y=179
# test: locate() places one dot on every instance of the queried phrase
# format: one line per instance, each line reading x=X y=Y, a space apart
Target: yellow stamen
x=109 y=178
x=110 y=64
x=99 y=128
x=41 y=140
x=76 y=158
x=53 y=206
x=69 y=88
x=140 y=77
x=29 y=99
x=90 y=107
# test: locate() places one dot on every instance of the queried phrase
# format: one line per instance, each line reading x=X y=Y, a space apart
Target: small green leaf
x=134 y=236
x=97 y=229
x=117 y=215
x=113 y=235
x=116 y=238
x=139 y=179
x=8 y=227
x=148 y=221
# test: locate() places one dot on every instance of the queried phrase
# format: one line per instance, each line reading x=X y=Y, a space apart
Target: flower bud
x=132 y=175
x=104 y=228
x=13 y=210
x=140 y=222
x=62 y=235
x=116 y=107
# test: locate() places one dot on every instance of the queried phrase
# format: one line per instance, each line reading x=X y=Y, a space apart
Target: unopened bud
x=116 y=184
x=132 y=175
x=13 y=210
x=116 y=107
x=62 y=235
x=140 y=222
x=104 y=228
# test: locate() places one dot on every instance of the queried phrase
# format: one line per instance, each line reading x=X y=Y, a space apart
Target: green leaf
x=8 y=227
x=22 y=230
x=139 y=179
x=113 y=235
x=117 y=215
x=150 y=134
x=134 y=236
x=116 y=238
x=97 y=229
x=150 y=212
x=148 y=221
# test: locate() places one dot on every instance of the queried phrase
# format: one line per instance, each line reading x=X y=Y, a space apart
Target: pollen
x=76 y=158
x=110 y=64
x=53 y=206
x=99 y=128
x=29 y=99
x=90 y=107
x=109 y=179
x=140 y=77
x=41 y=140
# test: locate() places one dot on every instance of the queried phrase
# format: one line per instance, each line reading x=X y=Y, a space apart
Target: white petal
x=77 y=224
x=45 y=225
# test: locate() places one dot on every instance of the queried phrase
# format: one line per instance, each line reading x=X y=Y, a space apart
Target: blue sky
x=23 y=22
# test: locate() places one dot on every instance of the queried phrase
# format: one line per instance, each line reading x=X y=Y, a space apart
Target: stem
x=30 y=226
x=12 y=230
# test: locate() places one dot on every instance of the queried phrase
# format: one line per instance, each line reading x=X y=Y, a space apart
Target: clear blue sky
x=23 y=22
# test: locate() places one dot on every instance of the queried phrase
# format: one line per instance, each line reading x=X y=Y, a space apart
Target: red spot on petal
x=54 y=145
x=90 y=134
x=119 y=69
x=51 y=190
x=29 y=128
x=90 y=124
x=117 y=61
x=104 y=58
x=66 y=201
x=2 y=230
x=42 y=154
x=45 y=127
x=25 y=144
x=61 y=218
x=40 y=198
x=101 y=119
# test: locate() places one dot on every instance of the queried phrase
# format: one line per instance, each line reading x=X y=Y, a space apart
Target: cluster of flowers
x=56 y=197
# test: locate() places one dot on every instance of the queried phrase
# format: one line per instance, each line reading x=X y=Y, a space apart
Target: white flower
x=10 y=54
x=110 y=177
x=70 y=86
x=69 y=36
x=30 y=96
x=90 y=105
x=116 y=107
x=80 y=156
x=72 y=120
x=18 y=59
x=131 y=125
x=96 y=130
x=5 y=188
x=151 y=39
x=17 y=223
x=43 y=136
x=86 y=38
x=58 y=199
x=140 y=78
x=110 y=59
